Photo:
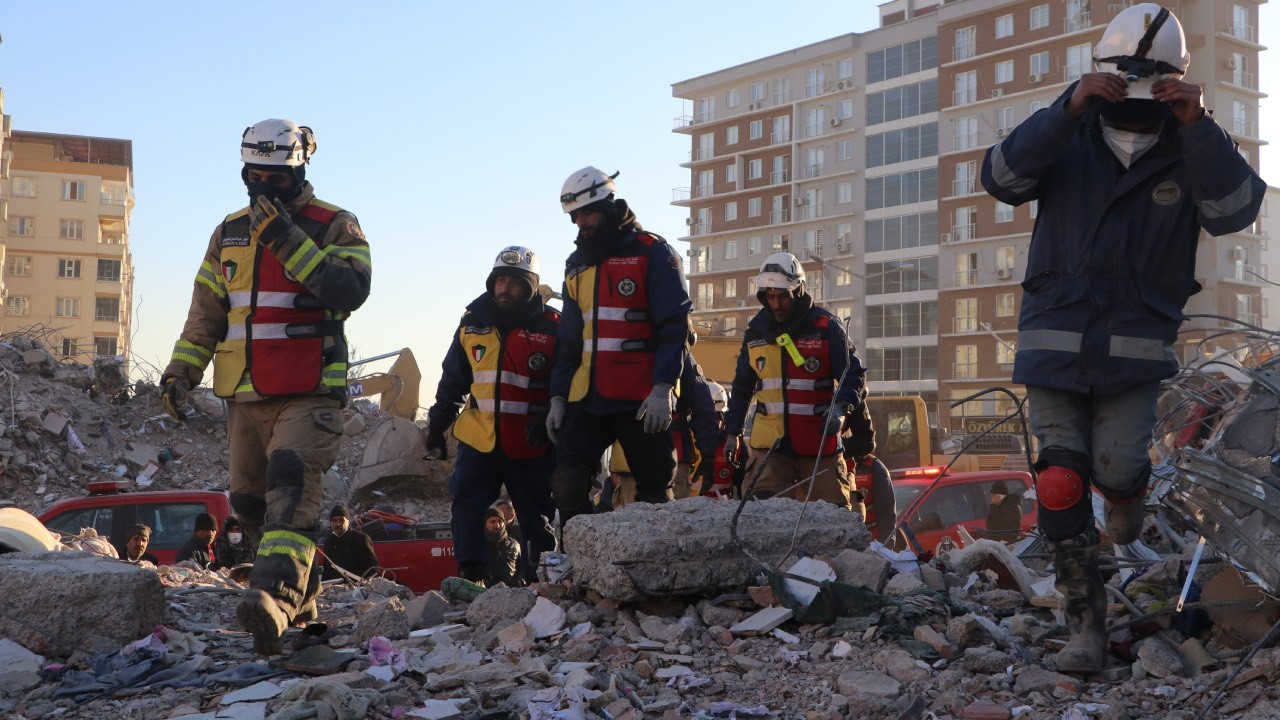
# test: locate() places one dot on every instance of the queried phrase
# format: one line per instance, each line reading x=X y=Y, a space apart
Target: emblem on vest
x=229 y=269
x=477 y=352
x=537 y=361
x=812 y=364
x=626 y=287
x=235 y=242
x=760 y=364
x=724 y=473
x=1166 y=193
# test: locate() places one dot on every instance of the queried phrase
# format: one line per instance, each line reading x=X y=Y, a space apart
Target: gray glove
x=656 y=410
x=835 y=418
x=555 y=417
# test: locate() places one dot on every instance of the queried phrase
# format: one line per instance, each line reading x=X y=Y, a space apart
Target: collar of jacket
x=304 y=198
x=483 y=310
x=763 y=322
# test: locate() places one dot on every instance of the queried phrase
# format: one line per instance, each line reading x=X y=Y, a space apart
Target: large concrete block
x=685 y=547
x=59 y=601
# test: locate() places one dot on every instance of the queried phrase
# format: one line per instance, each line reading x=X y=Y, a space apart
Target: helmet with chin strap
x=780 y=271
x=1142 y=44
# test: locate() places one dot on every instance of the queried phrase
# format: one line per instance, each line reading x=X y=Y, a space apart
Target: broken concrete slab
x=867 y=569
x=902 y=584
x=388 y=619
x=139 y=454
x=38 y=356
x=813 y=569
x=868 y=682
x=427 y=610
x=1158 y=659
x=762 y=622
x=120 y=602
x=258 y=691
x=15 y=658
x=54 y=423
x=686 y=546
x=516 y=637
x=498 y=604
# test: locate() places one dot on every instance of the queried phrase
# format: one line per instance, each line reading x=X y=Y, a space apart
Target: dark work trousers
x=651 y=456
x=477 y=481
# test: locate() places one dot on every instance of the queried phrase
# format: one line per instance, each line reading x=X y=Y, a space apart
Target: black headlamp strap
x=1144 y=45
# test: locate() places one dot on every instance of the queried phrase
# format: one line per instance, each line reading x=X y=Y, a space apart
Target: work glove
x=706 y=477
x=173 y=395
x=656 y=409
x=732 y=446
x=269 y=222
x=437 y=448
x=535 y=433
x=555 y=417
x=835 y=419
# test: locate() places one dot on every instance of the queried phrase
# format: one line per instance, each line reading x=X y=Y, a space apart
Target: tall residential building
x=877 y=190
x=6 y=157
x=67 y=268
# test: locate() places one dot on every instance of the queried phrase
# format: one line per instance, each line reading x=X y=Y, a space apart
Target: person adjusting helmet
x=809 y=378
x=268 y=311
x=623 y=341
x=493 y=391
x=1126 y=168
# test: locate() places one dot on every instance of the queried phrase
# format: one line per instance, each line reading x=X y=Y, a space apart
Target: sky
x=447 y=128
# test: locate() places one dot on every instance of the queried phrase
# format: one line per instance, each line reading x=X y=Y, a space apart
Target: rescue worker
x=623 y=340
x=136 y=545
x=347 y=547
x=872 y=482
x=715 y=477
x=199 y=546
x=795 y=354
x=499 y=364
x=277 y=281
x=1127 y=168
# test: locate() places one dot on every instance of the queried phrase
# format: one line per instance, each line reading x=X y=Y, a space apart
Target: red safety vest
x=793 y=399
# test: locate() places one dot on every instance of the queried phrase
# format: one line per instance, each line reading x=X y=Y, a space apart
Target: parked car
x=932 y=511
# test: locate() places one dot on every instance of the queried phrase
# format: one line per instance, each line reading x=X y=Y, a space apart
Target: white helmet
x=517 y=261
x=585 y=187
x=780 y=271
x=277 y=142
x=1143 y=44
x=719 y=397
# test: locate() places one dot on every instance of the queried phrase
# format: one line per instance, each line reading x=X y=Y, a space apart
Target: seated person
x=135 y=547
x=1004 y=516
x=200 y=546
x=232 y=548
x=503 y=565
x=347 y=548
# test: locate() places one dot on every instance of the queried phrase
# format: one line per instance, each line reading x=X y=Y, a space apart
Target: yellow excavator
x=398 y=386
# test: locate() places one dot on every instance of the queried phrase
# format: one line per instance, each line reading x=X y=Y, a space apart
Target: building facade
x=878 y=191
x=67 y=269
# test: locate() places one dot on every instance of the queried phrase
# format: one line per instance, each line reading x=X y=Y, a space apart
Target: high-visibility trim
x=1005 y=177
x=210 y=279
x=793 y=384
x=513 y=407
x=616 y=313
x=343 y=252
x=192 y=354
x=261 y=331
x=1232 y=203
x=794 y=409
x=304 y=260
x=1140 y=348
x=265 y=299
x=516 y=379
x=484 y=377
x=334 y=375
x=286 y=542
x=1059 y=340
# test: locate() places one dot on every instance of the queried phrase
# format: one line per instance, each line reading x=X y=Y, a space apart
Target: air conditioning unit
x=842 y=248
x=742 y=303
x=688 y=221
x=751 y=106
x=998 y=92
x=842 y=85
x=799 y=201
x=1003 y=273
x=834 y=122
x=947 y=237
x=1035 y=78
x=1001 y=132
x=1231 y=62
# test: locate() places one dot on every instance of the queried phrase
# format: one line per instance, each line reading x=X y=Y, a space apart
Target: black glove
x=173 y=393
x=437 y=449
x=732 y=448
x=706 y=473
x=269 y=222
x=535 y=433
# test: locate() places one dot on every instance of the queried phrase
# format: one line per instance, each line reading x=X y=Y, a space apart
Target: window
x=844 y=232
x=905 y=231
x=910 y=143
x=706 y=297
x=966 y=319
x=966 y=223
x=751 y=285
x=753 y=207
x=68 y=268
x=730 y=249
x=906 y=363
x=68 y=347
x=729 y=324
x=897 y=276
x=1006 y=258
x=966 y=367
x=844 y=69
x=68 y=307
x=756 y=130
x=72 y=190
x=1004 y=213
x=753 y=245
x=1005 y=351
x=1004 y=71
x=106 y=308
x=902 y=319
x=731 y=287
x=843 y=277
x=71 y=230
x=108 y=270
x=24 y=187
x=1004 y=305
x=731 y=173
x=814 y=79
x=781 y=130
x=1039 y=17
x=966 y=269
x=1079 y=61
x=1034 y=208
x=756 y=92
x=1004 y=118
x=16 y=305
x=902 y=188
x=114 y=192
x=733 y=98
x=1040 y=63
x=22 y=226
x=844 y=150
x=902 y=59
x=1004 y=26
x=706 y=109
x=105 y=346
x=966 y=88
x=966 y=175
x=964 y=47
x=1037 y=105
x=706 y=146
x=18 y=265
x=966 y=133
x=755 y=169
x=844 y=109
x=731 y=135
x=844 y=192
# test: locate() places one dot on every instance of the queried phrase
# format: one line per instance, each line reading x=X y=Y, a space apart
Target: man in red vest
x=622 y=345
x=277 y=281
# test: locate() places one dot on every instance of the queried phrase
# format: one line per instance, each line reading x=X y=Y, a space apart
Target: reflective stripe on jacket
x=617 y=330
x=793 y=399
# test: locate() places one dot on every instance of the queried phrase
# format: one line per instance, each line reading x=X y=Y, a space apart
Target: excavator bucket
x=395 y=464
x=397 y=388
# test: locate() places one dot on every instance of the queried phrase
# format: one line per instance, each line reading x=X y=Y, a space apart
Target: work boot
x=280 y=586
x=1080 y=581
x=260 y=615
x=307 y=614
x=1125 y=518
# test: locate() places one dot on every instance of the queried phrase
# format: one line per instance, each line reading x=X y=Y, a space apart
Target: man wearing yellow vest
x=497 y=372
x=277 y=281
x=798 y=363
x=623 y=341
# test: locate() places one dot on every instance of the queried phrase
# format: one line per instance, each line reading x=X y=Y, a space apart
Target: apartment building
x=6 y=126
x=877 y=190
x=829 y=152
x=67 y=268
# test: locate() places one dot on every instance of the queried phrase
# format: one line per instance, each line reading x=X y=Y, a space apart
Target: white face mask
x=1128 y=146
x=235 y=538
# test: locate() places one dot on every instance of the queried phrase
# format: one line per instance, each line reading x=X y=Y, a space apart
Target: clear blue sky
x=448 y=130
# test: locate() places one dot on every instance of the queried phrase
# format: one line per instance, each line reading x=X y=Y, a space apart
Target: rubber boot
x=1126 y=512
x=1080 y=581
x=309 y=612
x=278 y=588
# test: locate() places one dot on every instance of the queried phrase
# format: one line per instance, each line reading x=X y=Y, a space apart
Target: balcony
x=1077 y=22
x=813 y=130
x=777 y=138
x=965 y=141
x=1247 y=273
x=1244 y=128
x=1248 y=33
x=1243 y=79
x=813 y=90
x=963 y=187
x=810 y=212
x=963 y=232
x=964 y=324
x=778 y=176
x=704 y=303
x=813 y=171
x=682 y=121
x=782 y=98
x=964 y=371
x=701 y=154
x=701 y=228
x=777 y=217
x=963 y=51
x=964 y=97
x=965 y=278
x=1251 y=318
x=700 y=263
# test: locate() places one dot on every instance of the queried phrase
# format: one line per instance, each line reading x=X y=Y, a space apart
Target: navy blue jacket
x=696 y=411
x=1112 y=256
x=669 y=308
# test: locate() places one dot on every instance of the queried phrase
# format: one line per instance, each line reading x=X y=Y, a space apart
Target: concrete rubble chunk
x=139 y=454
x=985 y=659
x=663 y=631
x=427 y=610
x=118 y=601
x=1036 y=679
x=816 y=570
x=1158 y=659
x=387 y=618
x=15 y=658
x=545 y=618
x=258 y=691
x=762 y=622
x=926 y=634
x=967 y=631
x=868 y=682
x=499 y=604
x=862 y=568
x=38 y=356
x=645 y=549
x=516 y=637
x=54 y=423
x=902 y=584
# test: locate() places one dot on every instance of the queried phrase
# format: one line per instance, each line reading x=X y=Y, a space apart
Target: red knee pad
x=1059 y=488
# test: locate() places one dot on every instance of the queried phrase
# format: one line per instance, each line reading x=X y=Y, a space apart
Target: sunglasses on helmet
x=512 y=257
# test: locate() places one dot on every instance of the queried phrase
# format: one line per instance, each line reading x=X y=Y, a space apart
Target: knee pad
x=1062 y=491
x=570 y=487
x=284 y=470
